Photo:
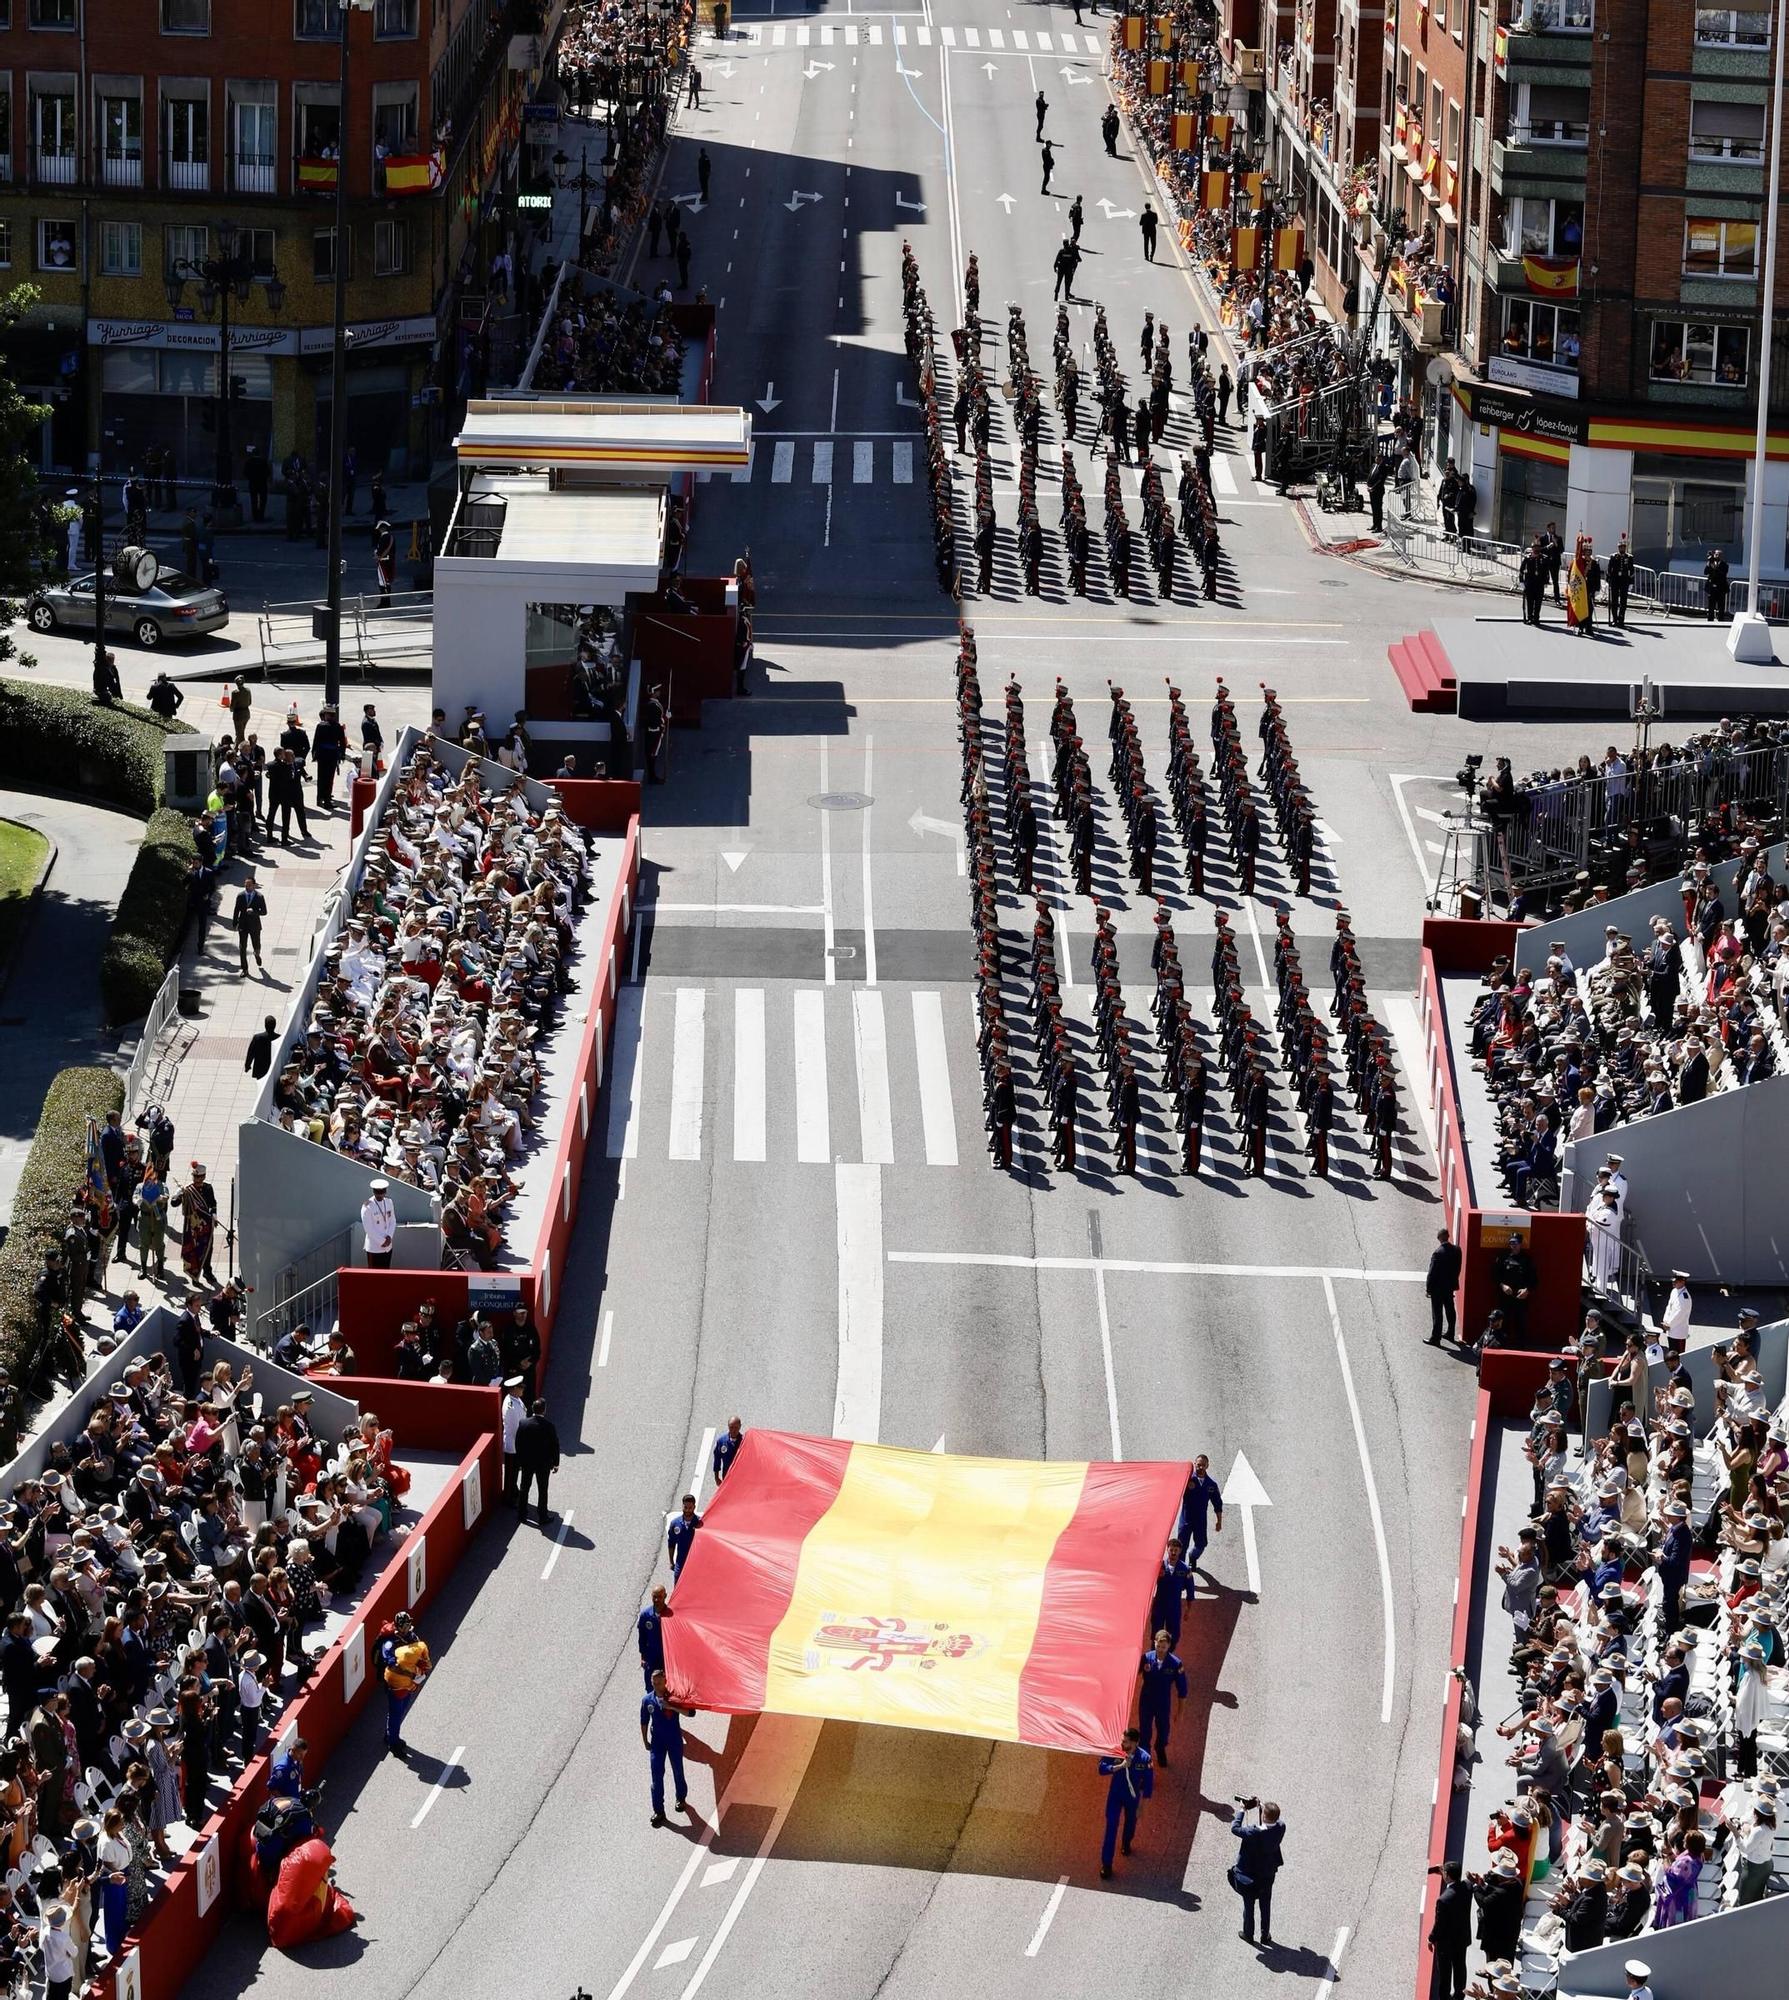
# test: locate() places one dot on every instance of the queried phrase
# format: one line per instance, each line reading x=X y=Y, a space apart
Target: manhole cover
x=1333 y=582
x=841 y=802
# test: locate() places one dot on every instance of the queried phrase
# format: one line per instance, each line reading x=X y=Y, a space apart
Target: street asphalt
x=761 y=1181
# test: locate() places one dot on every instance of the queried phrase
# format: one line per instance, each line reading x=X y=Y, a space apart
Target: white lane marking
x=803 y=35
x=869 y=887
x=863 y=462
x=1223 y=479
x=996 y=39
x=624 y=1079
x=1267 y=981
x=558 y=1547
x=857 y=1408
x=688 y=1048
x=832 y=970
x=1048 y=1918
x=1093 y=47
x=718 y=1872
x=748 y=1073
x=1149 y=1267
x=1434 y=847
x=813 y=1143
x=869 y=1030
x=438 y=1787
x=903 y=463
x=1327 y=1984
x=972 y=38
x=704 y=1452
x=742 y=473
x=1105 y=1348
x=923 y=34
x=1043 y=42
x=1399 y=779
x=1378 y=1519
x=823 y=465
x=1327 y=834
x=875 y=34
x=1430 y=814
x=950 y=37
x=935 y=1109
x=674 y=1954
x=741 y=909
x=826 y=34
x=779 y=38
x=602 y=1352
x=1243 y=1493
x=1407 y=1037
x=1021 y=41
x=782 y=462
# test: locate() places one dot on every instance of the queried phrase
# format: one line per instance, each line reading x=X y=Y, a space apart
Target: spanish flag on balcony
x=316 y=176
x=1130 y=31
x=1180 y=137
x=997 y=1598
x=1500 y=51
x=1214 y=190
x=1288 y=247
x=1220 y=125
x=412 y=173
x=1431 y=169
x=1400 y=126
x=1189 y=76
x=1556 y=275
x=1158 y=77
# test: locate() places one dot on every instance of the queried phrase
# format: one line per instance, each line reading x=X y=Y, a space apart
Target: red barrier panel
x=1441 y=1812
x=1510 y=1376
x=373 y=1305
x=361 y=794
x=425 y=1416
x=176 y=1932
x=1468 y=944
x=603 y=805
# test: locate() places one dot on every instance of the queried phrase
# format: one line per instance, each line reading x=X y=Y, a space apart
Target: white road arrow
x=721 y=69
x=901 y=201
x=1006 y=202
x=732 y=858
x=1244 y=1492
x=770 y=399
x=924 y=823
x=988 y=69
x=694 y=202
x=1075 y=76
x=902 y=400
x=813 y=70
x=901 y=69
x=795 y=200
x=1115 y=214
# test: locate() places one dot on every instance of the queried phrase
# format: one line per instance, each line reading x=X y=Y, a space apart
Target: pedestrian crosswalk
x=751 y=1075
x=817 y=462
x=921 y=35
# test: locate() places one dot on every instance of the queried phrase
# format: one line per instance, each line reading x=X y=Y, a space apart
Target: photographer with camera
x=1261 y=1835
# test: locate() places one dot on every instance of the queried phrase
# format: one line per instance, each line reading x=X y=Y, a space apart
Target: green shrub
x=53 y=1172
x=59 y=739
x=151 y=916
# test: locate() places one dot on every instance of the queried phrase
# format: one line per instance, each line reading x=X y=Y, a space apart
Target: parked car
x=174 y=606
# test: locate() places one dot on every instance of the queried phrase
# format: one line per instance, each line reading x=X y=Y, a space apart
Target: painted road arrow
x=796 y=199
x=1115 y=214
x=902 y=400
x=989 y=69
x=693 y=202
x=1244 y=1492
x=813 y=70
x=923 y=823
x=770 y=399
x=1006 y=202
x=901 y=201
x=1075 y=76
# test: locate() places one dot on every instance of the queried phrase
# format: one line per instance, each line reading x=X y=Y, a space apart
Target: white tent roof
x=635 y=438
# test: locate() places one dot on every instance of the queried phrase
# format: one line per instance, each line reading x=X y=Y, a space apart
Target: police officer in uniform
x=661 y=1734
x=1620 y=579
x=1132 y=1780
x=1163 y=1678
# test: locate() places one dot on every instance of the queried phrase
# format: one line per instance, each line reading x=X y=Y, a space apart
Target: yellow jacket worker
x=404 y=1664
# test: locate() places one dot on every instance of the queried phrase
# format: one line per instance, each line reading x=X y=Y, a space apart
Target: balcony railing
x=184 y=176
x=1558 y=17
x=252 y=173
x=1728 y=28
x=1549 y=132
x=1747 y=152
x=121 y=167
x=54 y=168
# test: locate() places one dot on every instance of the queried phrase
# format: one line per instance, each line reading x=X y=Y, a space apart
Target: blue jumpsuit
x=678 y=1539
x=1132 y=1781
x=726 y=1449
x=664 y=1738
x=1174 y=1584
x=1162 y=1680
x=650 y=1632
x=1201 y=1496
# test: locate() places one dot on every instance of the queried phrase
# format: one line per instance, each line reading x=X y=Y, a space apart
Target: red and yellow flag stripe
x=980 y=1597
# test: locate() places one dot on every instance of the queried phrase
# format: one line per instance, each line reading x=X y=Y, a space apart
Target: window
x=184 y=243
x=319 y=121
x=121 y=249
x=53 y=134
x=394 y=20
x=1694 y=351
x=1432 y=130
x=1550 y=114
x=5 y=243
x=323 y=255
x=56 y=244
x=1721 y=131
x=53 y=13
x=391 y=248
x=315 y=20
x=394 y=118
x=1727 y=27
x=1719 y=249
x=1534 y=330
x=1539 y=226
x=253 y=120
x=258 y=246
x=186 y=17
x=186 y=143
x=121 y=139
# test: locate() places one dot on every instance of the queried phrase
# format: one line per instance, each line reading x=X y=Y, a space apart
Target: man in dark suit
x=1450 y=1934
x=1258 y=1858
x=259 y=1059
x=537 y=1456
x=1441 y=1283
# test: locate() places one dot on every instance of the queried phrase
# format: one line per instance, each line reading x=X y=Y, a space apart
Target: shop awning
x=998 y=1598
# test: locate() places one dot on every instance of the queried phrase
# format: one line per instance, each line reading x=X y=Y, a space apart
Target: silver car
x=173 y=607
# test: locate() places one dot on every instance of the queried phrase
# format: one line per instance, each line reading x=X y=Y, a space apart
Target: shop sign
x=1529 y=419
x=1521 y=374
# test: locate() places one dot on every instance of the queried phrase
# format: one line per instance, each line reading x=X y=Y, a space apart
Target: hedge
x=151 y=915
x=60 y=739
x=53 y=1172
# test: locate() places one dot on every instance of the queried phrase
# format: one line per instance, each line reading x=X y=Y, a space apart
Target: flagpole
x=1748 y=638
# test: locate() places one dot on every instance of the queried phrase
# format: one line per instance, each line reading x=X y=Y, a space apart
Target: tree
x=22 y=522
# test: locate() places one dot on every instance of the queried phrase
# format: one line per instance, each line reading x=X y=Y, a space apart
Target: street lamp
x=338 y=376
x=583 y=180
x=227 y=277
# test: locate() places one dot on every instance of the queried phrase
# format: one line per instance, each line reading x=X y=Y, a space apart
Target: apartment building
x=1578 y=189
x=146 y=143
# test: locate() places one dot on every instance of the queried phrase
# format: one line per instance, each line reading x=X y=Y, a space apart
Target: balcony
x=180 y=175
x=1414 y=295
x=1552 y=17
x=253 y=173
x=121 y=166
x=52 y=167
x=1544 y=152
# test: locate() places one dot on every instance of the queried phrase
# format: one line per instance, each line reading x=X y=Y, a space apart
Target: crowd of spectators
x=422 y=1054
x=159 y=1581
x=612 y=343
x=1643 y=1607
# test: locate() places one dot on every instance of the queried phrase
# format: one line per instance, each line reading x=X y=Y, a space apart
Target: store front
x=167 y=400
x=1533 y=488
x=1684 y=507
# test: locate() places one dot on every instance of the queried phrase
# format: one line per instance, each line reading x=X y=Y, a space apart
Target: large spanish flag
x=999 y=1598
